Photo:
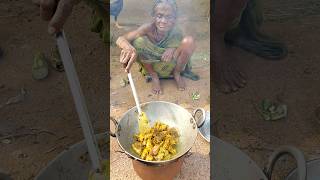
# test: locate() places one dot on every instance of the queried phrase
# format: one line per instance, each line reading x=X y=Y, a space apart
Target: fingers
x=125 y=57
x=166 y=57
x=121 y=56
x=131 y=61
x=47 y=8
x=60 y=16
x=163 y=57
x=57 y=11
x=128 y=57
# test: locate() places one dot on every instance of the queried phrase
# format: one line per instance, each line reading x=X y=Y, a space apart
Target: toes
x=228 y=78
x=181 y=85
x=236 y=79
x=243 y=77
x=154 y=91
x=225 y=89
x=221 y=84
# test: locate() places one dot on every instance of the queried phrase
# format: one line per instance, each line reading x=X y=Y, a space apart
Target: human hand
x=127 y=57
x=56 y=12
x=167 y=56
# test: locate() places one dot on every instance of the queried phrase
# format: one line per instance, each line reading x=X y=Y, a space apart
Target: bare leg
x=156 y=89
x=227 y=76
x=182 y=55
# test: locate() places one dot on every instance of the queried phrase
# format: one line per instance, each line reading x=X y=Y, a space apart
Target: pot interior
x=165 y=112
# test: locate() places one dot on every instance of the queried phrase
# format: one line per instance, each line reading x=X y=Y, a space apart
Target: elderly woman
x=159 y=46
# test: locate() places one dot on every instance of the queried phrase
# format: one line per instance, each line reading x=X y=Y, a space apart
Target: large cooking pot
x=231 y=163
x=74 y=162
x=313 y=171
x=165 y=112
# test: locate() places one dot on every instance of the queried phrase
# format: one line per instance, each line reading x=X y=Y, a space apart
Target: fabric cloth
x=151 y=53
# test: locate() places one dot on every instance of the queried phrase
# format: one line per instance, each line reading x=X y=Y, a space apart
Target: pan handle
x=295 y=153
x=199 y=121
x=115 y=122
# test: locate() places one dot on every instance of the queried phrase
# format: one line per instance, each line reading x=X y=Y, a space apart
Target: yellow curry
x=156 y=143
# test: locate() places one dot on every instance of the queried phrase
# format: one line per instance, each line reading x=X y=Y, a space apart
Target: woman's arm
x=128 y=53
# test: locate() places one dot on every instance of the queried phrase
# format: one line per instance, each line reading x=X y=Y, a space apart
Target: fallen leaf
x=20 y=97
x=6 y=141
x=195 y=96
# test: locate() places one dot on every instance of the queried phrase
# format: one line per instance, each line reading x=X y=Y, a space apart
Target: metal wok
x=230 y=163
x=165 y=112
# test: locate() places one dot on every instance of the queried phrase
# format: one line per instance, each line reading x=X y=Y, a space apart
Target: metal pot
x=4 y=176
x=231 y=163
x=313 y=171
x=73 y=162
x=203 y=123
x=165 y=112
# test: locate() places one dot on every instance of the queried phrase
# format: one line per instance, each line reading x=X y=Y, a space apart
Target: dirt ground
x=294 y=80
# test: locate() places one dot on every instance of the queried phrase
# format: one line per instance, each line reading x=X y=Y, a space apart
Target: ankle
x=176 y=73
x=154 y=75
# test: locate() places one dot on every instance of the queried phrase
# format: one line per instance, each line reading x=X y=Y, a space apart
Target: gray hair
x=172 y=3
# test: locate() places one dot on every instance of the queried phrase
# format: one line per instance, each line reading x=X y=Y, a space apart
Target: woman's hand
x=56 y=12
x=127 y=57
x=167 y=56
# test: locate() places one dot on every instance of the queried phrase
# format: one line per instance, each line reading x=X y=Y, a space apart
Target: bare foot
x=227 y=76
x=156 y=89
x=118 y=26
x=180 y=82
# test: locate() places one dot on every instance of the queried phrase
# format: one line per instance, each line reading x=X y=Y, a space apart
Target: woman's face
x=164 y=17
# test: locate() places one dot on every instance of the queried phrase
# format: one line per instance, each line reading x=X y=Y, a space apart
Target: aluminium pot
x=231 y=163
x=169 y=113
x=313 y=171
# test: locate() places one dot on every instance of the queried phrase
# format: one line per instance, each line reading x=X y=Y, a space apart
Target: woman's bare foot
x=227 y=76
x=180 y=82
x=156 y=89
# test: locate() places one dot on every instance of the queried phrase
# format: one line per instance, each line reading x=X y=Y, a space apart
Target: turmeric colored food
x=143 y=122
x=157 y=143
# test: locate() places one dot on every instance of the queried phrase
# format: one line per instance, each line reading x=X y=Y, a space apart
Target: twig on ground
x=64 y=146
x=258 y=148
x=18 y=135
